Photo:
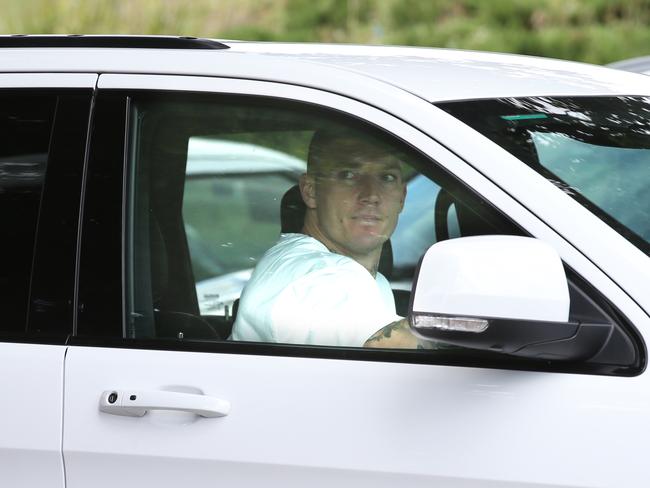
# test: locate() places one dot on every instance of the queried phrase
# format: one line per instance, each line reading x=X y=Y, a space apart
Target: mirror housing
x=505 y=294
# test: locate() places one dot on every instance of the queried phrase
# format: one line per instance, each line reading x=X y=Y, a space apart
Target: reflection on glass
x=596 y=149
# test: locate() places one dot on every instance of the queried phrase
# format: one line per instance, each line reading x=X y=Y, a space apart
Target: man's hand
x=396 y=335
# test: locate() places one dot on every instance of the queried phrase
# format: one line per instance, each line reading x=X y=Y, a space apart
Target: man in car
x=322 y=286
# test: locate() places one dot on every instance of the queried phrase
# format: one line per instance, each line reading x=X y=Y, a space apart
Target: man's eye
x=389 y=177
x=346 y=175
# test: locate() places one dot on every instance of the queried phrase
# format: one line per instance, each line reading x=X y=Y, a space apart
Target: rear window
x=25 y=128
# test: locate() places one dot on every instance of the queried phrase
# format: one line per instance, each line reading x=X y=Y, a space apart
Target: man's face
x=357 y=203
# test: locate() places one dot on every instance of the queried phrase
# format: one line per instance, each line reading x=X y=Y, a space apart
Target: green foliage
x=327 y=20
x=596 y=31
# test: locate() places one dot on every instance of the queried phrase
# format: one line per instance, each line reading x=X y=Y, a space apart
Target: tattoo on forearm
x=398 y=335
x=386 y=332
x=392 y=327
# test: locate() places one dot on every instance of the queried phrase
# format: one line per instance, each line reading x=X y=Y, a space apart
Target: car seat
x=171 y=324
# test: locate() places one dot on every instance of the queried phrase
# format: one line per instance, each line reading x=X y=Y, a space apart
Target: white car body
x=301 y=420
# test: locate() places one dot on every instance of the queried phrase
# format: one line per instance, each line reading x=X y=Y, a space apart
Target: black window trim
x=440 y=358
x=110 y=41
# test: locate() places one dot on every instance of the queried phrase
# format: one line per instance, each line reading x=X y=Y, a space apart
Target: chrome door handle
x=137 y=403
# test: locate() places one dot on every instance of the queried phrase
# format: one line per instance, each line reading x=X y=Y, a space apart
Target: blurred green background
x=596 y=31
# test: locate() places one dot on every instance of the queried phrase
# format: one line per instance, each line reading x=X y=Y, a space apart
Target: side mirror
x=505 y=294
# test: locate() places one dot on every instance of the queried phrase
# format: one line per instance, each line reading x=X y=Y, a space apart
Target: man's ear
x=308 y=190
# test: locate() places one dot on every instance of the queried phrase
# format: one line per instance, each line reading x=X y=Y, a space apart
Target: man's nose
x=369 y=189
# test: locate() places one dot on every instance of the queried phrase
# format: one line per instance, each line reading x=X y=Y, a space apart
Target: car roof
x=438 y=74
x=432 y=74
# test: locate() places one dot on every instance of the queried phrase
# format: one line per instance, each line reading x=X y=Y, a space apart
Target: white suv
x=528 y=189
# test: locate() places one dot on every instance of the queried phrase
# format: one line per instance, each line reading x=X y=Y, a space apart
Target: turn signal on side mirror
x=457 y=324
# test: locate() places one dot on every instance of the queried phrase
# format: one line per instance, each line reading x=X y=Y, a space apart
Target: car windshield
x=596 y=149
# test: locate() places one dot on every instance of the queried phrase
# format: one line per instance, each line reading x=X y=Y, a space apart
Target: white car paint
x=31 y=415
x=301 y=421
x=363 y=423
x=481 y=276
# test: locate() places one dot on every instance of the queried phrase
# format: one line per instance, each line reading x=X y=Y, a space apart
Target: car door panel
x=31 y=411
x=297 y=421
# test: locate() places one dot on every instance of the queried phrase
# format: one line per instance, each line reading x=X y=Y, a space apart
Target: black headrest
x=292 y=219
x=292 y=211
x=385 y=266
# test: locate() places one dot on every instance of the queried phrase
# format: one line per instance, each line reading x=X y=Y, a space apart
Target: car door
x=156 y=394
x=43 y=120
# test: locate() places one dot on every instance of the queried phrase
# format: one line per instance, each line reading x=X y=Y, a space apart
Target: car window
x=416 y=225
x=615 y=180
x=42 y=151
x=216 y=195
x=596 y=149
x=239 y=184
x=25 y=127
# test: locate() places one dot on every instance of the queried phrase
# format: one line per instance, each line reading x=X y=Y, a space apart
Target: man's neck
x=370 y=261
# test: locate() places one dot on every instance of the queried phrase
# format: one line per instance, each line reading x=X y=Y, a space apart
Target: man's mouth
x=367 y=218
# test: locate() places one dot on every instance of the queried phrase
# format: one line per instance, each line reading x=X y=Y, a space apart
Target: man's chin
x=369 y=243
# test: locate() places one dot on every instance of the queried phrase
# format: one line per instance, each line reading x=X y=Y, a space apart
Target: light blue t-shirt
x=301 y=293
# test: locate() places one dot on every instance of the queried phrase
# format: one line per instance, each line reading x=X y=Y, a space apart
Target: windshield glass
x=596 y=149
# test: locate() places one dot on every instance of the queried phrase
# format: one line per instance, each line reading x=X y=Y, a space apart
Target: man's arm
x=396 y=335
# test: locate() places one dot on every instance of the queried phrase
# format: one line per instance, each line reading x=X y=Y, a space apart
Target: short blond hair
x=337 y=148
